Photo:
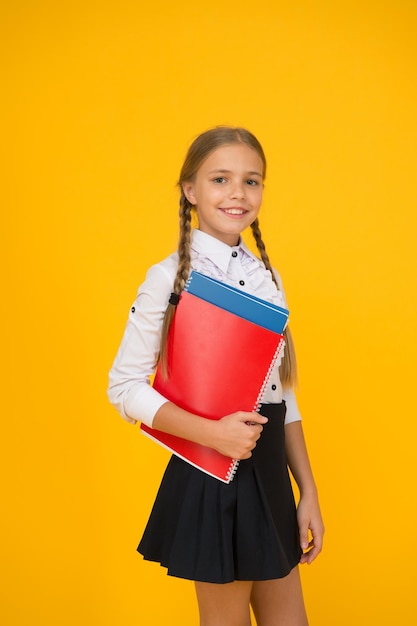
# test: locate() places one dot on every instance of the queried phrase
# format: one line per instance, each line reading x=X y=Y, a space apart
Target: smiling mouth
x=234 y=211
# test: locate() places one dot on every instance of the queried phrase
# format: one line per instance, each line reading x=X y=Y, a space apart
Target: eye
x=219 y=179
x=252 y=183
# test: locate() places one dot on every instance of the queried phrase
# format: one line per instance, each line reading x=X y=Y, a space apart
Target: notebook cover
x=218 y=363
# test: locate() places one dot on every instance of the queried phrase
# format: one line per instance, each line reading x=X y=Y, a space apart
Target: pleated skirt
x=205 y=530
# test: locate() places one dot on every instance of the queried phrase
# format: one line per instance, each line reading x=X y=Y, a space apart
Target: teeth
x=234 y=211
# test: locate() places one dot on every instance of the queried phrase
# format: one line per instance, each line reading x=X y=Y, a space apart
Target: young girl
x=240 y=542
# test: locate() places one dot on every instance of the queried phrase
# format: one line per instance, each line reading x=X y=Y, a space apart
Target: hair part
x=198 y=152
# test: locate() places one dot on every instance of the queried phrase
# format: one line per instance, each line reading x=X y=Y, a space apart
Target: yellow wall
x=101 y=100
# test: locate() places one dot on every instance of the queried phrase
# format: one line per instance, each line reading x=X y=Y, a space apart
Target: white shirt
x=129 y=389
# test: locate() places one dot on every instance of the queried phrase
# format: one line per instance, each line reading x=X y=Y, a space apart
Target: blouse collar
x=218 y=251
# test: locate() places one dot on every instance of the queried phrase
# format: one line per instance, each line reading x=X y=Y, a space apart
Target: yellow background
x=100 y=101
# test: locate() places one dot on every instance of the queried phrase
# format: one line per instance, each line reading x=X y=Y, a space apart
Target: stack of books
x=222 y=346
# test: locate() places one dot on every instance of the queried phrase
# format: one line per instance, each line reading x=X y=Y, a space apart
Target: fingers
x=310 y=554
x=250 y=443
x=238 y=433
x=311 y=528
x=304 y=542
x=311 y=549
x=256 y=428
x=255 y=419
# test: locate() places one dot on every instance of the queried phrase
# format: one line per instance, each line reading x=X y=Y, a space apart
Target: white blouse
x=129 y=389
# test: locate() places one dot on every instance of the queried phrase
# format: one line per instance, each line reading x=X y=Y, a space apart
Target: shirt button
x=133 y=309
x=274 y=387
x=234 y=253
x=241 y=282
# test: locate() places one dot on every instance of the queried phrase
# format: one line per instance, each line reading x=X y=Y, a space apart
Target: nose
x=237 y=191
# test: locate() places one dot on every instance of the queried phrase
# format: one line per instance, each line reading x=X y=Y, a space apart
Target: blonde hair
x=199 y=150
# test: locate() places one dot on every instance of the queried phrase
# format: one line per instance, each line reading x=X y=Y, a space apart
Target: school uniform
x=201 y=528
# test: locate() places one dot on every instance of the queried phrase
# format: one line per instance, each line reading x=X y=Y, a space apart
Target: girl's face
x=227 y=191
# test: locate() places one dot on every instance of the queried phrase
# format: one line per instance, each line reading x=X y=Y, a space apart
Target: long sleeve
x=129 y=379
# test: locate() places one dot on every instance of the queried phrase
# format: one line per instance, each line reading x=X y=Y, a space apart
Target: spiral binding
x=235 y=463
x=232 y=470
x=268 y=374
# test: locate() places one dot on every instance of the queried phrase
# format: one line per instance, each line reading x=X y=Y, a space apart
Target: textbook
x=218 y=362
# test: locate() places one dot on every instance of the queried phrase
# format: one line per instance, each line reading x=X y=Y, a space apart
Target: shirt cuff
x=142 y=404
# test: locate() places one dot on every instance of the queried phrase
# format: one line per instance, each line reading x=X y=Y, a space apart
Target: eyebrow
x=222 y=171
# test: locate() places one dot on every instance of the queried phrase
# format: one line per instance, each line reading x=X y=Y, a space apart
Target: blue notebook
x=236 y=301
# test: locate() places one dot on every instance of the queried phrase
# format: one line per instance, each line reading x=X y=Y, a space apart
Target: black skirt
x=205 y=530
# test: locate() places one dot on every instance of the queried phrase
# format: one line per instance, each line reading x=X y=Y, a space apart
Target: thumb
x=257 y=418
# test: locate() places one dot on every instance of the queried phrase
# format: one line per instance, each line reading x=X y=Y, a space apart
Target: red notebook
x=218 y=363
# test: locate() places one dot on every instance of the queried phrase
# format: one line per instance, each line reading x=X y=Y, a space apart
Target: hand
x=310 y=521
x=236 y=434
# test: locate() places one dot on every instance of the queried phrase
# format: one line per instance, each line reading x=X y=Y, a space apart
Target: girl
x=240 y=542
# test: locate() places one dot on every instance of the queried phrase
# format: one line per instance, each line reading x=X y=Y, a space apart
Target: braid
x=256 y=231
x=184 y=260
x=183 y=270
x=288 y=367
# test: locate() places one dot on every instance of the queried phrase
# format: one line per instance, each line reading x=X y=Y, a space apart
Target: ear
x=188 y=189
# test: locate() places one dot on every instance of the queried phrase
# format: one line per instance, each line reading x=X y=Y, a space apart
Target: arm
x=129 y=388
x=234 y=435
x=136 y=400
x=308 y=512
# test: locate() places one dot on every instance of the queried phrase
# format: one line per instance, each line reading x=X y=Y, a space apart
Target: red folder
x=218 y=363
